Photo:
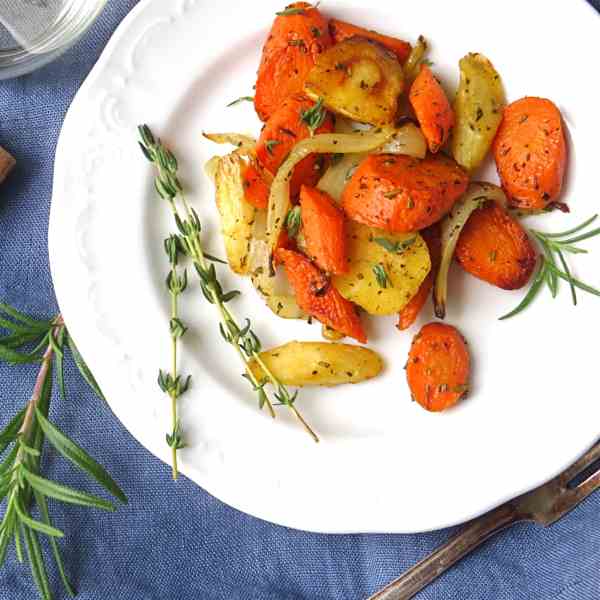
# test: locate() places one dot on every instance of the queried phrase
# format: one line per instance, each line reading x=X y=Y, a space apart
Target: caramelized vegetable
x=340 y=31
x=323 y=228
x=452 y=226
x=403 y=194
x=434 y=113
x=409 y=314
x=317 y=297
x=319 y=363
x=279 y=199
x=237 y=215
x=287 y=126
x=256 y=189
x=385 y=269
x=531 y=153
x=493 y=246
x=297 y=38
x=438 y=367
x=478 y=109
x=358 y=78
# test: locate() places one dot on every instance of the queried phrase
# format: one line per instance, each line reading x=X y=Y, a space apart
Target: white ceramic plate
x=384 y=464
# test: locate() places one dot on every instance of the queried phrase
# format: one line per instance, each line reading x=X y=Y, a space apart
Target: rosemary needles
x=553 y=264
x=241 y=338
x=22 y=487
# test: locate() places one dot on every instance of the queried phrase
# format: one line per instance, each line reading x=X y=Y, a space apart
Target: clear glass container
x=35 y=32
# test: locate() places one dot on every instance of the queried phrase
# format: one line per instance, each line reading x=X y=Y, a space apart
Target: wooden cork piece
x=7 y=162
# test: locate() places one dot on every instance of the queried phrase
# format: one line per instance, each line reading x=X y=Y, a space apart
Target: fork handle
x=429 y=569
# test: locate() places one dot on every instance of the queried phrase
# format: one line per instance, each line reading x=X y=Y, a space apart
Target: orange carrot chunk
x=282 y=132
x=432 y=108
x=438 y=367
x=317 y=297
x=493 y=246
x=340 y=30
x=256 y=189
x=403 y=194
x=297 y=37
x=409 y=314
x=531 y=153
x=323 y=228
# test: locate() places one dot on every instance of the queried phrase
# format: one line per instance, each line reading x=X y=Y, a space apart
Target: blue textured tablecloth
x=174 y=541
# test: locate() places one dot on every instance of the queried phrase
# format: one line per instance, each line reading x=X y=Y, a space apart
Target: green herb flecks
x=395 y=247
x=382 y=277
x=314 y=117
x=242 y=339
x=241 y=99
x=270 y=144
x=555 y=246
x=288 y=12
x=23 y=489
x=293 y=221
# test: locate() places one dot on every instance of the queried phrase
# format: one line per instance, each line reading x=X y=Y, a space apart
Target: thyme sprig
x=174 y=384
x=553 y=265
x=22 y=487
x=242 y=339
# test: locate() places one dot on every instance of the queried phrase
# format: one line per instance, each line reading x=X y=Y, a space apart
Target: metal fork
x=544 y=505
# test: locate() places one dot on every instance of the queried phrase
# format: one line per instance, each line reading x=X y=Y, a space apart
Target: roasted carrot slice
x=283 y=131
x=256 y=189
x=493 y=246
x=317 y=297
x=531 y=153
x=432 y=108
x=340 y=30
x=324 y=231
x=409 y=314
x=403 y=194
x=438 y=367
x=298 y=35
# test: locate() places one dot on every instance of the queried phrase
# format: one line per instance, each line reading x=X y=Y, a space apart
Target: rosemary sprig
x=173 y=384
x=554 y=247
x=395 y=247
x=22 y=487
x=243 y=339
x=382 y=277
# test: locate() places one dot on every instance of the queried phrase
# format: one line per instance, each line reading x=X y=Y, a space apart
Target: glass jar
x=35 y=32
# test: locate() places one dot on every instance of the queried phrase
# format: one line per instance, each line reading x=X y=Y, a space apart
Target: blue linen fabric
x=174 y=541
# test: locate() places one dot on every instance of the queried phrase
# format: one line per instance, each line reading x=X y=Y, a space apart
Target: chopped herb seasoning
x=270 y=144
x=241 y=99
x=392 y=193
x=395 y=247
x=313 y=117
x=293 y=221
x=383 y=279
x=315 y=31
x=288 y=12
x=493 y=255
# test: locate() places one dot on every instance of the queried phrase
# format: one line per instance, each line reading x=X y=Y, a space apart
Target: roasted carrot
x=283 y=131
x=493 y=246
x=324 y=231
x=317 y=297
x=401 y=193
x=438 y=367
x=409 y=314
x=531 y=153
x=256 y=189
x=298 y=35
x=340 y=30
x=432 y=108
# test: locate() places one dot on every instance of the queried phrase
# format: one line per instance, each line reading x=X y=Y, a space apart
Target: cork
x=7 y=162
